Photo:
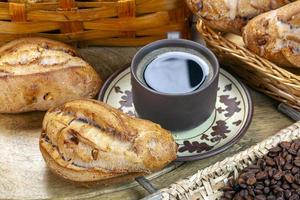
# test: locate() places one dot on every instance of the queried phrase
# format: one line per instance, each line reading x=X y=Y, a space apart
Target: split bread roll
x=231 y=15
x=276 y=35
x=87 y=141
x=37 y=74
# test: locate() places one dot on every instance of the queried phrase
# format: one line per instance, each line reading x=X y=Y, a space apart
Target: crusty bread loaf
x=37 y=74
x=276 y=35
x=88 y=141
x=232 y=15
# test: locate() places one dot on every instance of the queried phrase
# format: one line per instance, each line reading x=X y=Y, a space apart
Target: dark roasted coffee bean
x=228 y=195
x=288 y=166
x=295 y=146
x=297 y=162
x=271 y=197
x=275 y=149
x=294 y=197
x=261 y=163
x=286 y=186
x=267 y=182
x=227 y=188
x=297 y=178
x=261 y=175
x=292 y=151
x=287 y=193
x=285 y=145
x=271 y=172
x=259 y=187
x=258 y=192
x=251 y=180
x=295 y=170
x=260 y=197
x=277 y=176
x=273 y=182
x=241 y=181
x=270 y=161
x=294 y=186
x=278 y=189
x=244 y=193
x=289 y=158
x=289 y=178
x=266 y=190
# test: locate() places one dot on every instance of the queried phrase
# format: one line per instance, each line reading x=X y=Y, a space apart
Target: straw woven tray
x=263 y=75
x=206 y=184
x=96 y=22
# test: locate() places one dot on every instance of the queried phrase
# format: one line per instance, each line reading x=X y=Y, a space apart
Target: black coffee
x=175 y=73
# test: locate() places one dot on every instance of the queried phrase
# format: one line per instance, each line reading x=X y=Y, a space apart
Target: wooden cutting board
x=24 y=175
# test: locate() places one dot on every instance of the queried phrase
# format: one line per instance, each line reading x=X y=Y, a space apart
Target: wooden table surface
x=26 y=127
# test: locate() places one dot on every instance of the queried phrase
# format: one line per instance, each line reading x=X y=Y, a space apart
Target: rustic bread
x=276 y=35
x=232 y=15
x=88 y=141
x=38 y=73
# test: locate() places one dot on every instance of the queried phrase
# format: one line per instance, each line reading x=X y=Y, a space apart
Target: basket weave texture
x=258 y=72
x=207 y=183
x=95 y=22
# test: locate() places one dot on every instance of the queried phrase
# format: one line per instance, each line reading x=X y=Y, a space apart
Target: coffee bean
x=270 y=161
x=260 y=197
x=271 y=197
x=277 y=176
x=297 y=178
x=297 y=163
x=251 y=180
x=285 y=145
x=266 y=190
x=289 y=178
x=292 y=151
x=267 y=182
x=261 y=175
x=294 y=197
x=275 y=149
x=295 y=170
x=285 y=186
x=287 y=193
x=288 y=166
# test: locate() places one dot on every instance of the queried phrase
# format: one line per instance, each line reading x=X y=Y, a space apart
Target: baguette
x=276 y=35
x=86 y=141
x=37 y=74
x=231 y=15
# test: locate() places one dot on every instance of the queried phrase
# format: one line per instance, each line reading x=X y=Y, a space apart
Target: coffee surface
x=176 y=72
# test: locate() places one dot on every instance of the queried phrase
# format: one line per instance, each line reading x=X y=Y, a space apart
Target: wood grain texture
x=23 y=174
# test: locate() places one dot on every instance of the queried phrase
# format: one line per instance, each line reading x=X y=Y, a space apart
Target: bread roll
x=276 y=35
x=37 y=74
x=88 y=141
x=232 y=15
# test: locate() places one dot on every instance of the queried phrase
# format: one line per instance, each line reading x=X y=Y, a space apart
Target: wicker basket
x=96 y=22
x=259 y=73
x=206 y=184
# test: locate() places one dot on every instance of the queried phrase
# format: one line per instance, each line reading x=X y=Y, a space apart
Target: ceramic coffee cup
x=176 y=112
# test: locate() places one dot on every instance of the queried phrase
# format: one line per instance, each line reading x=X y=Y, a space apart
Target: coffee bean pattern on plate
x=276 y=176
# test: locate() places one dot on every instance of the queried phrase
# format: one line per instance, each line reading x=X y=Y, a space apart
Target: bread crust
x=231 y=15
x=275 y=35
x=87 y=141
x=37 y=74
